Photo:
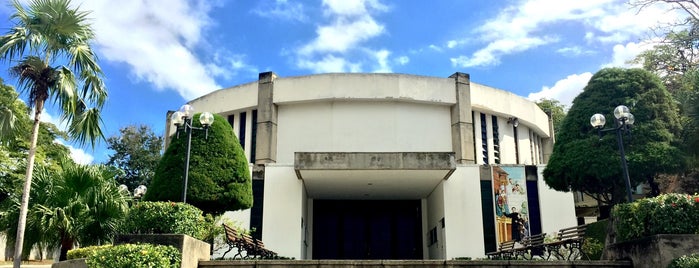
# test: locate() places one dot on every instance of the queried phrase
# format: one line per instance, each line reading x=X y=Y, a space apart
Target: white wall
x=557 y=208
x=225 y=100
x=364 y=86
x=506 y=104
x=362 y=126
x=435 y=212
x=463 y=213
x=281 y=218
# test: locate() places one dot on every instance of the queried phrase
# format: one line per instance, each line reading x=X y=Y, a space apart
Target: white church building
x=390 y=166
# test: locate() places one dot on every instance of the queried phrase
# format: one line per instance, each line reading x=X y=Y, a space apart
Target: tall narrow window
x=484 y=138
x=253 y=138
x=241 y=128
x=496 y=140
x=231 y=121
x=531 y=146
x=516 y=134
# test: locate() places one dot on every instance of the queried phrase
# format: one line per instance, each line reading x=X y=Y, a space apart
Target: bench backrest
x=506 y=245
x=533 y=240
x=572 y=233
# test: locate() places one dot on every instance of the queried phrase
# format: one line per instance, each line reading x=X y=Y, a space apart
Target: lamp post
x=622 y=124
x=183 y=121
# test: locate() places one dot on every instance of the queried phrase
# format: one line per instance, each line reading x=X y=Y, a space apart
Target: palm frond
x=7 y=123
x=86 y=127
x=93 y=88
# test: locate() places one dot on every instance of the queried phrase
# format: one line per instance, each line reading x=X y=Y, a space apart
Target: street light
x=622 y=124
x=183 y=121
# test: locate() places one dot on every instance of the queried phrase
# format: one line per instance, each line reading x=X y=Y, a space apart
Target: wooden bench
x=505 y=251
x=244 y=243
x=532 y=245
x=568 y=241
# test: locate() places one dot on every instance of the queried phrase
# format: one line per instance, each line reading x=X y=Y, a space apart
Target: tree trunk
x=24 y=205
x=66 y=245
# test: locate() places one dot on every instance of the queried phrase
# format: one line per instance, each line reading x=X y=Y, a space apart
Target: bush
x=136 y=256
x=86 y=252
x=665 y=214
x=691 y=261
x=165 y=218
x=219 y=176
x=595 y=236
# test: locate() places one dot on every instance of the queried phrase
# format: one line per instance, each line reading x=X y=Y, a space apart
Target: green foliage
x=136 y=153
x=595 y=235
x=136 y=256
x=592 y=248
x=555 y=109
x=581 y=161
x=665 y=214
x=165 y=218
x=86 y=252
x=219 y=177
x=686 y=261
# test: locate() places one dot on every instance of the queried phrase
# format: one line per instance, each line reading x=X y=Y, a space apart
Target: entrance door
x=367 y=229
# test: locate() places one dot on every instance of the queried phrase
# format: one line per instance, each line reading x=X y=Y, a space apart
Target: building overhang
x=372 y=175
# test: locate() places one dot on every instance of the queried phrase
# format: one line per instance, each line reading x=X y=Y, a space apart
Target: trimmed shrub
x=686 y=261
x=219 y=176
x=85 y=252
x=135 y=256
x=665 y=214
x=595 y=235
x=165 y=218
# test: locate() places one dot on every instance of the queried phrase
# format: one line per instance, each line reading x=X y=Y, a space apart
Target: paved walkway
x=27 y=265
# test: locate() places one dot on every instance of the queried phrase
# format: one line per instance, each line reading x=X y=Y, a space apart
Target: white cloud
x=351 y=24
x=623 y=54
x=564 y=90
x=157 y=40
x=78 y=155
x=523 y=27
x=281 y=9
x=574 y=51
x=382 y=59
x=402 y=60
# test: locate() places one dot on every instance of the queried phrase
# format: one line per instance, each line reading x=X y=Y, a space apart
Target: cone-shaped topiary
x=219 y=177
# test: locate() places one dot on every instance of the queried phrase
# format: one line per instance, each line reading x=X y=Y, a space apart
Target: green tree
x=554 y=109
x=78 y=204
x=46 y=33
x=219 y=177
x=581 y=161
x=136 y=152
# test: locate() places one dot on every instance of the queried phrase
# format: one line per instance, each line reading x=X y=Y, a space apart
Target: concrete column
x=266 y=148
x=548 y=143
x=168 y=128
x=462 y=139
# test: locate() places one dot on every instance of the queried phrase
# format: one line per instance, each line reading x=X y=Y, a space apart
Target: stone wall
x=653 y=251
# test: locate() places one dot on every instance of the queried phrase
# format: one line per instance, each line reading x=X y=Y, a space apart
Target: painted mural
x=510 y=202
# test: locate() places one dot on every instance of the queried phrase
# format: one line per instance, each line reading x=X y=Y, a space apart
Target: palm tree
x=46 y=32
x=81 y=204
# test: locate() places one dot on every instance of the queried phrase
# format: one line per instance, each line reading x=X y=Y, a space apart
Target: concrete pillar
x=266 y=148
x=548 y=143
x=462 y=139
x=168 y=128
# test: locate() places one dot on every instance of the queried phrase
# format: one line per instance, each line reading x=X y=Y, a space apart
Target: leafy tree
x=582 y=161
x=45 y=33
x=219 y=176
x=555 y=109
x=136 y=152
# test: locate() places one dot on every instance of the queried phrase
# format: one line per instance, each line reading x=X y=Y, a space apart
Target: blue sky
x=158 y=54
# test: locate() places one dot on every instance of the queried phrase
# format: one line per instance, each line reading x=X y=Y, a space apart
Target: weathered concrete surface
x=461 y=121
x=76 y=263
x=408 y=263
x=653 y=251
x=374 y=161
x=193 y=250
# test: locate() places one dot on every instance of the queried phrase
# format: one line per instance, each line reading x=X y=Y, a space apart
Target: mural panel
x=510 y=202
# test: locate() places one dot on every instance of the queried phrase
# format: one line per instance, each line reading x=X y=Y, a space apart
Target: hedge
x=165 y=218
x=665 y=214
x=135 y=256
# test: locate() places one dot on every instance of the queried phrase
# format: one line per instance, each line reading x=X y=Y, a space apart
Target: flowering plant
x=665 y=214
